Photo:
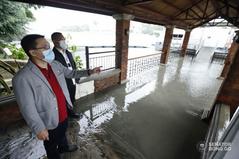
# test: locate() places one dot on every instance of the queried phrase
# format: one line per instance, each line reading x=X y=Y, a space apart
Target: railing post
x=87 y=57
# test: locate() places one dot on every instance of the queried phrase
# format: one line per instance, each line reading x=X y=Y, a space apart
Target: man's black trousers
x=57 y=140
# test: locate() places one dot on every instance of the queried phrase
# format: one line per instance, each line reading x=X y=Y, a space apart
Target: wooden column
x=228 y=61
x=229 y=92
x=185 y=42
x=166 y=44
x=122 y=42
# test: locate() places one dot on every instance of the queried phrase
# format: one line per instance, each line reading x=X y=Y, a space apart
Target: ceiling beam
x=107 y=7
x=188 y=19
x=232 y=20
x=209 y=18
x=192 y=5
x=230 y=5
x=165 y=18
x=195 y=12
x=139 y=2
x=198 y=7
x=171 y=5
x=101 y=7
x=205 y=9
x=174 y=6
x=202 y=23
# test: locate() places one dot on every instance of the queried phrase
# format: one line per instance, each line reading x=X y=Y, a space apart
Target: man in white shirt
x=65 y=58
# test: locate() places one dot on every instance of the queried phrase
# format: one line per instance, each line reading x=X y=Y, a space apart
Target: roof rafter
x=187 y=8
x=174 y=6
x=205 y=9
x=229 y=5
x=139 y=2
x=197 y=6
x=209 y=18
x=195 y=12
x=187 y=14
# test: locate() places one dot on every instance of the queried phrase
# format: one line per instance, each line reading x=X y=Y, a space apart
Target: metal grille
x=140 y=64
x=106 y=59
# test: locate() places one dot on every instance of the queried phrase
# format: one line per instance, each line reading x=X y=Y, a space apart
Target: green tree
x=13 y=19
x=17 y=53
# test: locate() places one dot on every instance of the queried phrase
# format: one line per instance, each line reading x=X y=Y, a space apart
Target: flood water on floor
x=155 y=115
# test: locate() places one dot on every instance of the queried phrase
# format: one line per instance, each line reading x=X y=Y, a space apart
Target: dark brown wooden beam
x=167 y=18
x=187 y=8
x=99 y=6
x=85 y=6
x=230 y=5
x=207 y=19
x=215 y=4
x=147 y=14
x=158 y=17
x=107 y=7
x=199 y=8
x=140 y=2
x=232 y=20
x=202 y=23
x=180 y=19
x=171 y=5
x=174 y=6
x=145 y=10
x=195 y=12
x=186 y=15
x=205 y=9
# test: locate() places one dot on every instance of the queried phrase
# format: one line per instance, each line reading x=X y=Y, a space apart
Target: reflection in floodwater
x=140 y=87
x=96 y=115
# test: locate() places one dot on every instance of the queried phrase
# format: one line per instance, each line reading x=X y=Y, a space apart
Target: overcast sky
x=50 y=19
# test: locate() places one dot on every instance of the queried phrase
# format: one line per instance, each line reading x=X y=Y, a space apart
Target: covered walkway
x=156 y=114
x=161 y=117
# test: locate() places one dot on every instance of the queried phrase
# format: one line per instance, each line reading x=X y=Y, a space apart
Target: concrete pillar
x=166 y=44
x=122 y=42
x=185 y=42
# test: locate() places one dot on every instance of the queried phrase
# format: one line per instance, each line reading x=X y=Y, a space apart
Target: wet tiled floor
x=155 y=115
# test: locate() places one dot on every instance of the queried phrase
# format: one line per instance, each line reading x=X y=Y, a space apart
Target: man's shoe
x=75 y=115
x=69 y=148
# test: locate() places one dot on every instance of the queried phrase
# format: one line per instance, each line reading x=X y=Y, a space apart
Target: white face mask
x=49 y=55
x=63 y=44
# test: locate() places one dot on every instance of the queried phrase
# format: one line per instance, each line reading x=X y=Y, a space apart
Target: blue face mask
x=49 y=55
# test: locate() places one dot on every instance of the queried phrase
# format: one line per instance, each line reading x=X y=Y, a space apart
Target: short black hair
x=55 y=35
x=28 y=42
